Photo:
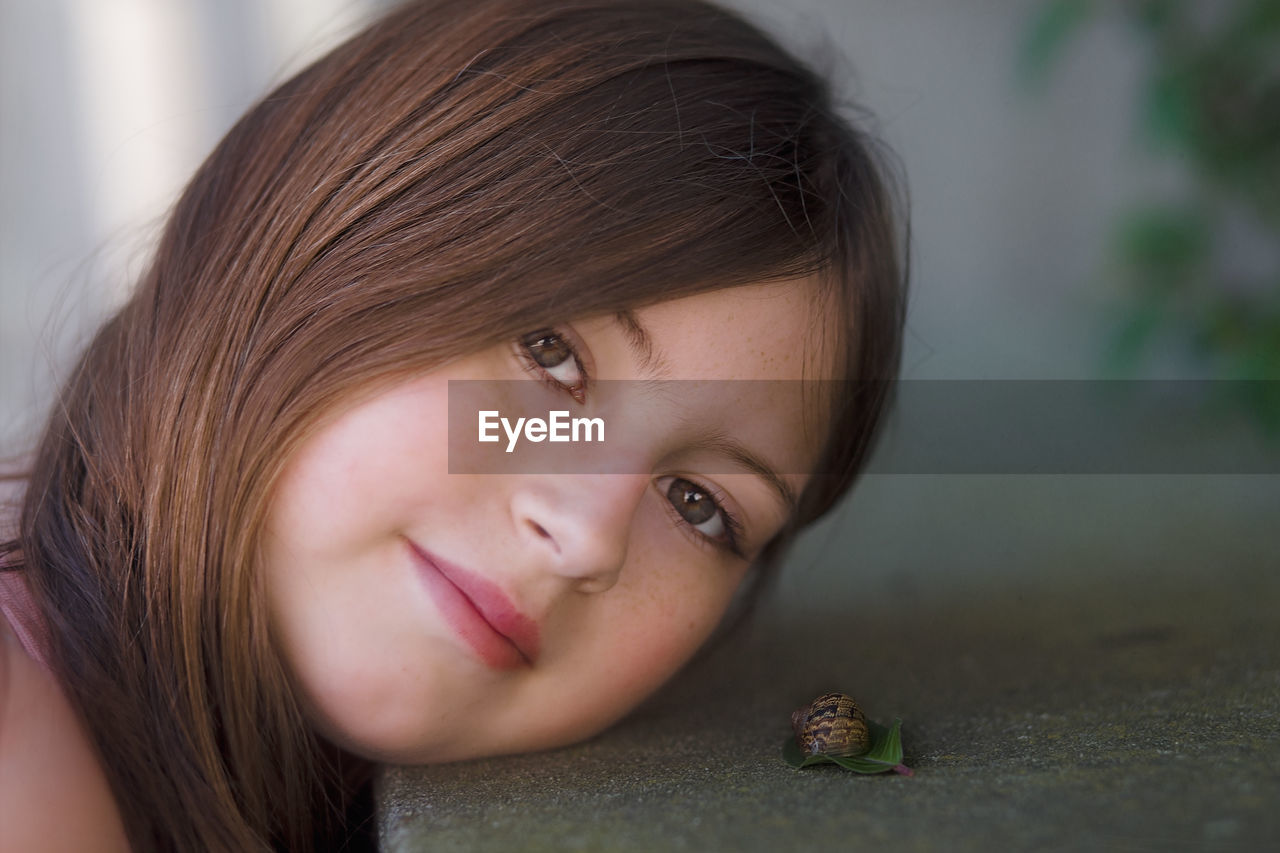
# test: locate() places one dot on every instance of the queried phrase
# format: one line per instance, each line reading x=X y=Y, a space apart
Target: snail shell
x=832 y=724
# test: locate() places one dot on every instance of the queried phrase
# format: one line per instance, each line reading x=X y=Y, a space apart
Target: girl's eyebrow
x=726 y=445
x=654 y=365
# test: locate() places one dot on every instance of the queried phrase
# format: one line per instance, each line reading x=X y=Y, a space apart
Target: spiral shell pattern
x=832 y=724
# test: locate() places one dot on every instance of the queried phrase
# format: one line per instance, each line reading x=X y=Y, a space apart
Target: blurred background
x=1093 y=195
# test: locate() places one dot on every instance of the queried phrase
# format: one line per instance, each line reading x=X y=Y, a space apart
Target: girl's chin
x=466 y=749
x=418 y=747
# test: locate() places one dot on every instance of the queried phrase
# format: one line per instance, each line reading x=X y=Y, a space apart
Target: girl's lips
x=478 y=610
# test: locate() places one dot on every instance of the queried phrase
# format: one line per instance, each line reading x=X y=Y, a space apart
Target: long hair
x=459 y=173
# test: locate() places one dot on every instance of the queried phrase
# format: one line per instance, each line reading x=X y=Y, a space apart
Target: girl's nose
x=578 y=525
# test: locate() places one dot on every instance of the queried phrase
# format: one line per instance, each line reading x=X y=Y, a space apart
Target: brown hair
x=459 y=173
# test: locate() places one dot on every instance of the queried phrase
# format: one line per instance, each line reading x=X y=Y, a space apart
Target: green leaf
x=1165 y=243
x=1134 y=330
x=1047 y=35
x=884 y=755
x=886 y=744
x=1156 y=16
x=1169 y=116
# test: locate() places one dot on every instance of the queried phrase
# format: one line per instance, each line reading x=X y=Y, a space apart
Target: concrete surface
x=1129 y=707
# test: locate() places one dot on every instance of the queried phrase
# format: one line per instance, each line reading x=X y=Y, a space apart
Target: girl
x=245 y=570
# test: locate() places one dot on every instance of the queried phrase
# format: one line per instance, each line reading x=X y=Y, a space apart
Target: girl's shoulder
x=54 y=794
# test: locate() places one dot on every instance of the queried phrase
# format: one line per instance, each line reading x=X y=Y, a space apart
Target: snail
x=832 y=724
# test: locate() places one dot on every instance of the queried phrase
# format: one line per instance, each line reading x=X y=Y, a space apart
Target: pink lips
x=478 y=610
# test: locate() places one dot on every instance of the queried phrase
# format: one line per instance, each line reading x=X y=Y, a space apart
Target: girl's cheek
x=670 y=622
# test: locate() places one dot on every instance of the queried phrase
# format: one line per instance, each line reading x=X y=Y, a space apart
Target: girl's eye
x=700 y=509
x=549 y=354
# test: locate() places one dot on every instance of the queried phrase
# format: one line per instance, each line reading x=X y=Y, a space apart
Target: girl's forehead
x=755 y=362
x=781 y=330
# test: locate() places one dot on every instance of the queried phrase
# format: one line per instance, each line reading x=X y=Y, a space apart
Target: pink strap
x=24 y=617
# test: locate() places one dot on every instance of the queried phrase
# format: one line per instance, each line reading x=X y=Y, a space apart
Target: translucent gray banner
x=934 y=426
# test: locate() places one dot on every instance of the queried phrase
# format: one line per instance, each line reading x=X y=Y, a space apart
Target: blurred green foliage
x=1199 y=271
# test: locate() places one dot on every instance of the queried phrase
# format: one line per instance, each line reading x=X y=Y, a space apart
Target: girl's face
x=428 y=617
